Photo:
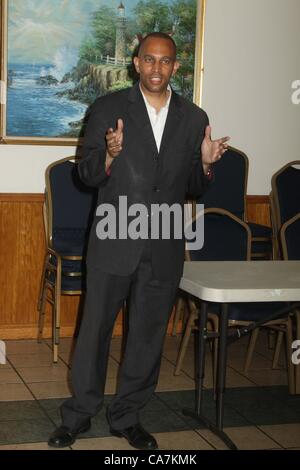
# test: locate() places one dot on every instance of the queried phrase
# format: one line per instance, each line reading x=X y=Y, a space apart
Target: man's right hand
x=114 y=140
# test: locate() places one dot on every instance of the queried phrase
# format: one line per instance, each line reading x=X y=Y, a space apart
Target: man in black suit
x=160 y=150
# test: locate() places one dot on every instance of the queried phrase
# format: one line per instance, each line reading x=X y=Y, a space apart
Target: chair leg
x=250 y=349
x=41 y=301
x=185 y=340
x=178 y=313
x=42 y=288
x=290 y=366
x=271 y=339
x=277 y=350
x=42 y=308
x=56 y=310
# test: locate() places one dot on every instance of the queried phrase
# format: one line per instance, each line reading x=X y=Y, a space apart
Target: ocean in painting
x=36 y=110
x=63 y=54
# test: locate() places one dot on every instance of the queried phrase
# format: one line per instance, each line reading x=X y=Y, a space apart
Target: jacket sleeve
x=93 y=155
x=198 y=182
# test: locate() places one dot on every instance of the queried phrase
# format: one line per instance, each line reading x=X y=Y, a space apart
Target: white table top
x=242 y=281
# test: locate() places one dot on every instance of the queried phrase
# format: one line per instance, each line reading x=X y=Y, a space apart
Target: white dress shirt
x=158 y=120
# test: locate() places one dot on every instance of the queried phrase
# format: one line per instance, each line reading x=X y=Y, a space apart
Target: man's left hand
x=212 y=150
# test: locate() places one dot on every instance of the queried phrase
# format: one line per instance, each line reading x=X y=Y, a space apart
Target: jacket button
x=156 y=189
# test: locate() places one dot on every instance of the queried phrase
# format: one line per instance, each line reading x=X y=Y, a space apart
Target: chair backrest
x=290 y=238
x=229 y=189
x=69 y=203
x=286 y=192
x=226 y=238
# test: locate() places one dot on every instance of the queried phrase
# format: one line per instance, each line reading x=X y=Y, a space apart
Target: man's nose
x=156 y=66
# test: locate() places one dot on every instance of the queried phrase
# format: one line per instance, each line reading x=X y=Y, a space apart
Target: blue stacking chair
x=68 y=213
x=290 y=242
x=229 y=192
x=286 y=195
x=228 y=238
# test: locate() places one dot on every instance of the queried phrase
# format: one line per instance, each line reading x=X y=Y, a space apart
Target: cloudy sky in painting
x=38 y=29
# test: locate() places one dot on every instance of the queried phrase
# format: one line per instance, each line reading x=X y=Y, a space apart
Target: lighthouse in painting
x=120 y=53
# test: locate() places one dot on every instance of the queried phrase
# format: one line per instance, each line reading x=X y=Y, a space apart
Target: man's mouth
x=155 y=80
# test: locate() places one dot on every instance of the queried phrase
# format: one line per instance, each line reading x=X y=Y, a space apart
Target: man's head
x=156 y=62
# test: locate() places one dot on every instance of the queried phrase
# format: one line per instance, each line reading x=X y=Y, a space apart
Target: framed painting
x=58 y=56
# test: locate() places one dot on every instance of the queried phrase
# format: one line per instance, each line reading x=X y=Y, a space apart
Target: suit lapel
x=172 y=122
x=138 y=113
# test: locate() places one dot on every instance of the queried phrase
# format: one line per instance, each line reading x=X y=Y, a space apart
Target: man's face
x=156 y=64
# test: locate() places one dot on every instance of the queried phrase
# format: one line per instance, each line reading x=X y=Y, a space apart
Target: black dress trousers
x=150 y=306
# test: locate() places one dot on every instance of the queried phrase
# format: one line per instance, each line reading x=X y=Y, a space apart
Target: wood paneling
x=258 y=210
x=22 y=246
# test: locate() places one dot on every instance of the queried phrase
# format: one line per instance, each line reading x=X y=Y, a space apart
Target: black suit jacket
x=142 y=174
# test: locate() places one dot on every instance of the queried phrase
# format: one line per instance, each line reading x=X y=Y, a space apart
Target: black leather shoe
x=64 y=437
x=137 y=437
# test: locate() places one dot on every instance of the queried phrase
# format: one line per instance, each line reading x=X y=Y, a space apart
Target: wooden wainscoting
x=258 y=210
x=22 y=245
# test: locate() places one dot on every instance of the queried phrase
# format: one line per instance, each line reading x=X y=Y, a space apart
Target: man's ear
x=136 y=62
x=176 y=67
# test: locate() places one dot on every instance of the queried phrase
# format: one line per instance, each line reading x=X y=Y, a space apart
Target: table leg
x=221 y=375
x=221 y=370
x=297 y=366
x=201 y=341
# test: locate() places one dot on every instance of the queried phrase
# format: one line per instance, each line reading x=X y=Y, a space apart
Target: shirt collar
x=148 y=105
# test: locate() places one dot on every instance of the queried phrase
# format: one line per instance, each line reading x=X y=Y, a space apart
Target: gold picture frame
x=7 y=76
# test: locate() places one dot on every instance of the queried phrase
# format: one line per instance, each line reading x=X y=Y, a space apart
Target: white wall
x=22 y=168
x=252 y=56
x=252 y=50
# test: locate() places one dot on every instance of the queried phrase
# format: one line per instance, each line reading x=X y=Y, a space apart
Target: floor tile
x=116 y=354
x=44 y=390
x=247 y=405
x=181 y=440
x=112 y=369
x=33 y=446
x=168 y=421
x=167 y=368
x=177 y=399
x=235 y=379
x=104 y=443
x=181 y=382
x=32 y=360
x=110 y=386
x=65 y=345
x=260 y=407
x=22 y=410
x=14 y=392
x=287 y=435
x=9 y=376
x=6 y=366
x=245 y=438
x=18 y=432
x=53 y=373
x=268 y=377
x=66 y=357
x=237 y=361
x=26 y=347
x=50 y=404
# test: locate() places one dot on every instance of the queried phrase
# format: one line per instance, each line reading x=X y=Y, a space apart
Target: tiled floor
x=259 y=412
